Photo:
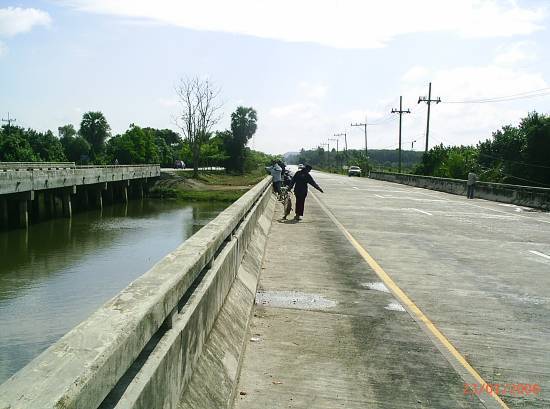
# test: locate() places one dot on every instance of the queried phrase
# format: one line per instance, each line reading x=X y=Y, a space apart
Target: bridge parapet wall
x=140 y=348
x=529 y=196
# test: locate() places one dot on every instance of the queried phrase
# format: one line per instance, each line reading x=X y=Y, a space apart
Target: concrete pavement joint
x=411 y=307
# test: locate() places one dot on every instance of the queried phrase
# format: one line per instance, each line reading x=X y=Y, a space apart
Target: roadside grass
x=215 y=186
x=224 y=179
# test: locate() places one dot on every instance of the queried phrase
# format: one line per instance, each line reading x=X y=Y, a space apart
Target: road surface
x=390 y=296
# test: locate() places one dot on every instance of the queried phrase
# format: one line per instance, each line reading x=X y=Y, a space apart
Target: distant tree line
x=377 y=158
x=93 y=143
x=515 y=154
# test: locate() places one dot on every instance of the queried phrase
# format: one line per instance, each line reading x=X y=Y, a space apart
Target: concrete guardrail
x=499 y=192
x=24 y=179
x=140 y=348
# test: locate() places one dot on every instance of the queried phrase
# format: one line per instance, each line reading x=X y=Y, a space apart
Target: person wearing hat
x=299 y=182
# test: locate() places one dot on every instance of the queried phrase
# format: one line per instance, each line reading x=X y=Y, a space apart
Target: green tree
x=243 y=126
x=14 y=147
x=78 y=150
x=95 y=129
x=66 y=131
x=213 y=153
x=46 y=146
x=135 y=146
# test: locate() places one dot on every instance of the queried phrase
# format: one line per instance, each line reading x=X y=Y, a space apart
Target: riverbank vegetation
x=217 y=186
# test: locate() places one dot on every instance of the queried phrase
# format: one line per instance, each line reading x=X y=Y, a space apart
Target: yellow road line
x=411 y=306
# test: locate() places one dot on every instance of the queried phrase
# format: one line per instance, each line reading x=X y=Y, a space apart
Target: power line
x=514 y=161
x=521 y=95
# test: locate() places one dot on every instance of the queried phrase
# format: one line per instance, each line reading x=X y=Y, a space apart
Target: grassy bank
x=214 y=186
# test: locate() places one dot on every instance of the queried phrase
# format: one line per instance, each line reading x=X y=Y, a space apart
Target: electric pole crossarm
x=365 y=127
x=400 y=111
x=428 y=100
x=9 y=121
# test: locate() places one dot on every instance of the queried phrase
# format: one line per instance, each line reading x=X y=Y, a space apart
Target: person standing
x=472 y=179
x=275 y=171
x=299 y=182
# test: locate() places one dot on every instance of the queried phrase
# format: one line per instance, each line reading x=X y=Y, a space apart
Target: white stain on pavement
x=420 y=211
x=378 y=286
x=293 y=299
x=537 y=253
x=395 y=306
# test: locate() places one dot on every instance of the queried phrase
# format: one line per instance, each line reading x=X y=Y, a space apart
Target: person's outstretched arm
x=314 y=184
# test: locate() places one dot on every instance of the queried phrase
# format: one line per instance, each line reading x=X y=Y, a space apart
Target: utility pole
x=365 y=127
x=345 y=144
x=333 y=139
x=328 y=149
x=428 y=100
x=400 y=112
x=412 y=145
x=9 y=121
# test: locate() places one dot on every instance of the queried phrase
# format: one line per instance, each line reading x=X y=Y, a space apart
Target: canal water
x=58 y=272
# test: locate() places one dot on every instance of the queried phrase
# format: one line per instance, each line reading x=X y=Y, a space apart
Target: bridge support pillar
x=3 y=212
x=39 y=206
x=110 y=193
x=49 y=203
x=98 y=198
x=23 y=217
x=67 y=205
x=85 y=198
x=124 y=192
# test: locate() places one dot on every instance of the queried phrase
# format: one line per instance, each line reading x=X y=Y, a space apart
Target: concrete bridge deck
x=470 y=296
x=34 y=191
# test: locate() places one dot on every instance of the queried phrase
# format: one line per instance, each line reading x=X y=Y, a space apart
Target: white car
x=354 y=171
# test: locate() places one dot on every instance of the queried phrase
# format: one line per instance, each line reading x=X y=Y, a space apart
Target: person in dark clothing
x=299 y=182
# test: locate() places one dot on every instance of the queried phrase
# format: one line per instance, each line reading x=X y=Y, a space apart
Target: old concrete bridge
x=34 y=191
x=384 y=296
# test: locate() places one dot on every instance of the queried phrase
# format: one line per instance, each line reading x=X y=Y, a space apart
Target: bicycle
x=285 y=199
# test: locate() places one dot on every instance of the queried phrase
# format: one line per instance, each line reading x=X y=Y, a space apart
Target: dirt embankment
x=208 y=187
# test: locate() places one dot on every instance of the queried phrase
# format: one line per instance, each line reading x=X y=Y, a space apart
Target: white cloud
x=350 y=24
x=515 y=53
x=16 y=20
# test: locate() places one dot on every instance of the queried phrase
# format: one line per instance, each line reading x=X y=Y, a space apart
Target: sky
x=309 y=68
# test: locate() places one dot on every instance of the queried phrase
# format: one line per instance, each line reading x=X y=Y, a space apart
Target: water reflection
x=58 y=272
